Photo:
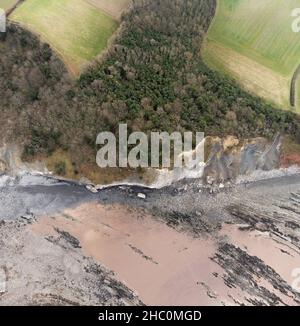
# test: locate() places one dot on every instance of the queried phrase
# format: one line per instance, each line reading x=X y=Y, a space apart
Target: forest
x=152 y=77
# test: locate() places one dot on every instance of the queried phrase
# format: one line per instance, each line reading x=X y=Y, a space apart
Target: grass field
x=77 y=30
x=114 y=8
x=7 y=4
x=253 y=41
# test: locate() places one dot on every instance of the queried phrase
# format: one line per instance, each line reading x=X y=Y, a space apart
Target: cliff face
x=230 y=157
x=12 y=164
x=227 y=159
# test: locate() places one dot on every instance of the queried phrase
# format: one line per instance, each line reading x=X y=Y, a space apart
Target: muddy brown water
x=163 y=266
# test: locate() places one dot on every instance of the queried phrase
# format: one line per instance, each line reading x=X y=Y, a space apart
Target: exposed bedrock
x=230 y=157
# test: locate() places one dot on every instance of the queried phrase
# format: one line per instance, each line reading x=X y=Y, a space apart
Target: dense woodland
x=152 y=77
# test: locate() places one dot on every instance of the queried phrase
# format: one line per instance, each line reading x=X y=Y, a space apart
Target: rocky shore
x=62 y=244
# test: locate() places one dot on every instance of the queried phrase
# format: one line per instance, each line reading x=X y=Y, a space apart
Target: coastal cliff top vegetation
x=152 y=77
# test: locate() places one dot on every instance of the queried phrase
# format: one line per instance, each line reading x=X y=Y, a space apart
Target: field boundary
x=14 y=7
x=44 y=40
x=73 y=71
x=92 y=44
x=108 y=13
x=279 y=78
x=293 y=96
x=248 y=73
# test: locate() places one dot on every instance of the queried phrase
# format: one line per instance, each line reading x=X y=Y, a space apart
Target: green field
x=253 y=41
x=6 y=4
x=77 y=30
x=114 y=8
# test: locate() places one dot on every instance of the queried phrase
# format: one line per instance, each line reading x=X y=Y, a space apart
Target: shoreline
x=256 y=176
x=193 y=246
x=46 y=194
